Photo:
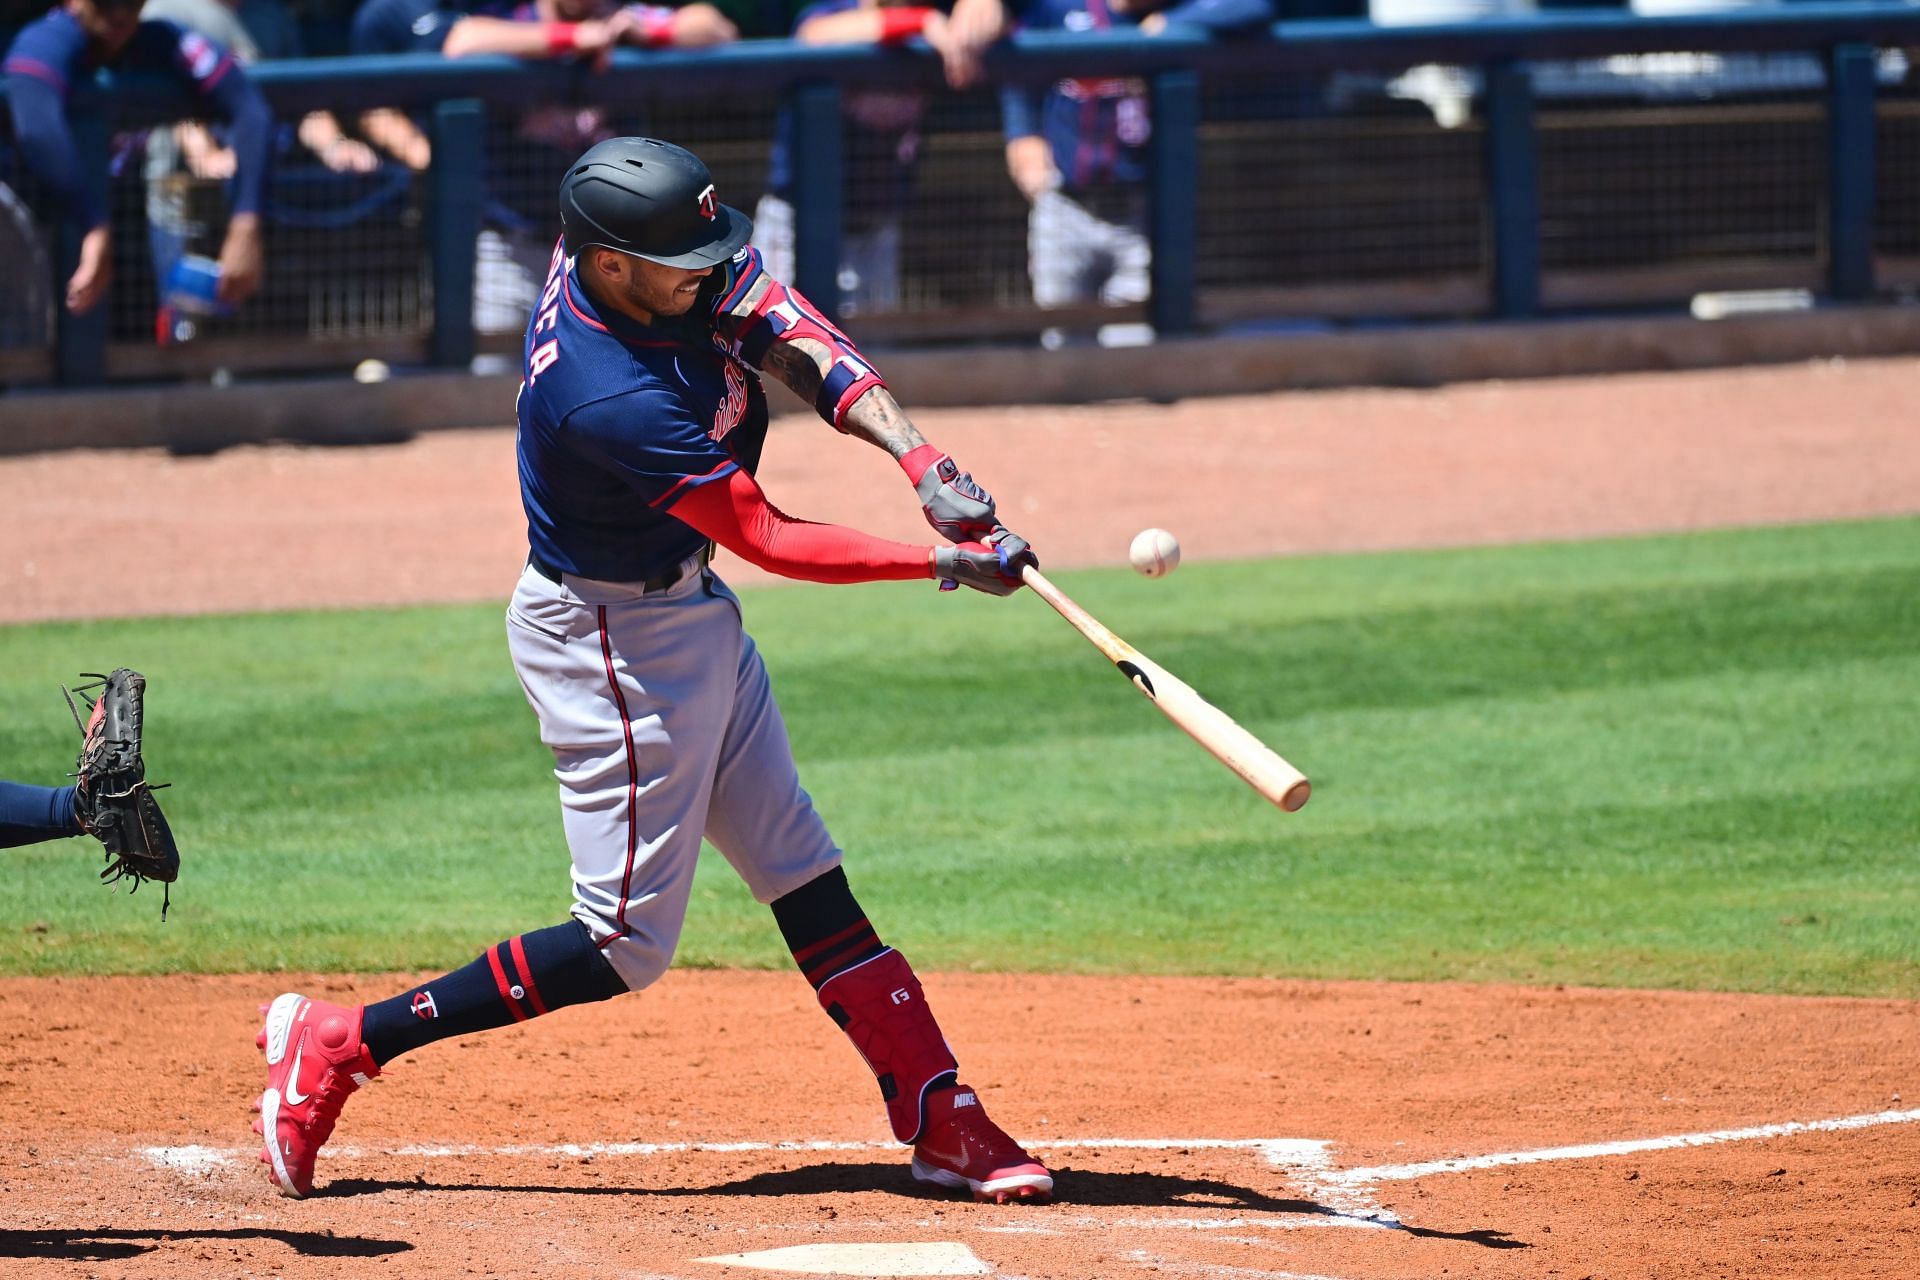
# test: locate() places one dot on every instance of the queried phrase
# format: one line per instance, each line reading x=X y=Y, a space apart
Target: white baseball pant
x=663 y=728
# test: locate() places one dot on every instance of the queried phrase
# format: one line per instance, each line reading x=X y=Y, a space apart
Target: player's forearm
x=875 y=417
x=735 y=513
x=398 y=136
x=477 y=35
x=251 y=136
x=878 y=418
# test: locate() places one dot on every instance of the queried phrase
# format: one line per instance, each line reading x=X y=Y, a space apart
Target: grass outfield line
x=1665 y=762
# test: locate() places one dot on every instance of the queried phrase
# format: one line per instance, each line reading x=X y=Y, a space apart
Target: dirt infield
x=1230 y=1129
x=1198 y=1128
x=439 y=518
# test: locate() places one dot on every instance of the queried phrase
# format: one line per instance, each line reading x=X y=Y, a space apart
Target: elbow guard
x=755 y=311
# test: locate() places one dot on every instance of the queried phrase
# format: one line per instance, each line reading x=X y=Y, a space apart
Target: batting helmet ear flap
x=650 y=199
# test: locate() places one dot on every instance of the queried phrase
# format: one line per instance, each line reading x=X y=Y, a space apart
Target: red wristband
x=902 y=23
x=916 y=462
x=562 y=37
x=656 y=24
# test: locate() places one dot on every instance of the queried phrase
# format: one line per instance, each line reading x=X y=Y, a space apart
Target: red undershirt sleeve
x=737 y=515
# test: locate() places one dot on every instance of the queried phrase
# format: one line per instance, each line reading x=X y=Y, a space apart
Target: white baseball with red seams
x=1154 y=552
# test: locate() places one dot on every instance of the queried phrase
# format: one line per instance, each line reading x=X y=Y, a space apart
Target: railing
x=1197 y=151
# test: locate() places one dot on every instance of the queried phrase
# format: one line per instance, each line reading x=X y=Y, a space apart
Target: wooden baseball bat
x=1263 y=768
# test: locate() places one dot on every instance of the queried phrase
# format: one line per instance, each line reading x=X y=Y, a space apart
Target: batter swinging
x=642 y=418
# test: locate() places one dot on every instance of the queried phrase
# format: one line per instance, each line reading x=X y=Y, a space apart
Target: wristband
x=562 y=37
x=656 y=24
x=902 y=23
x=916 y=462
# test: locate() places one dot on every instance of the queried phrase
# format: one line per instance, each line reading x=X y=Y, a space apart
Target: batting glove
x=958 y=509
x=992 y=566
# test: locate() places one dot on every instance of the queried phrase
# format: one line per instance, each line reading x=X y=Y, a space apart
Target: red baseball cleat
x=962 y=1149
x=315 y=1059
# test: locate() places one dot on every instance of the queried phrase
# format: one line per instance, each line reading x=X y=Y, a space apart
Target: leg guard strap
x=881 y=1007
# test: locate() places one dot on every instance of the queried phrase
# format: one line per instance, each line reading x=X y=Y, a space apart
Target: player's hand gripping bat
x=1205 y=723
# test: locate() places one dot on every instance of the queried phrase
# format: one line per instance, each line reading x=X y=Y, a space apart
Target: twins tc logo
x=709 y=206
x=423 y=1006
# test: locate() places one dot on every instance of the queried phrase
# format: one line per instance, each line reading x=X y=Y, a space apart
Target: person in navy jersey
x=50 y=71
x=641 y=423
x=881 y=139
x=511 y=252
x=1077 y=152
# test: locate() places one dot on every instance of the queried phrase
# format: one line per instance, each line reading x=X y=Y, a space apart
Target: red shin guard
x=880 y=1005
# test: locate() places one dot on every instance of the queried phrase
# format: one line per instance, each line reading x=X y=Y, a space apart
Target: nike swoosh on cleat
x=293 y=1095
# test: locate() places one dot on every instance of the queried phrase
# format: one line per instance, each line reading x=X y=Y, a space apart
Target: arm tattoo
x=877 y=417
x=776 y=330
x=795 y=368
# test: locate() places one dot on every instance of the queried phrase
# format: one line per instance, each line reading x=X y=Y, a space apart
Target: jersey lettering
x=734 y=407
x=542 y=359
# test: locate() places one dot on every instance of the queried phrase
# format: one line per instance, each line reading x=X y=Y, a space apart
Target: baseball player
x=1077 y=152
x=50 y=69
x=642 y=417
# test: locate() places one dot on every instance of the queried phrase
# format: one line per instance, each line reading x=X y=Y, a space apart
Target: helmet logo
x=709 y=207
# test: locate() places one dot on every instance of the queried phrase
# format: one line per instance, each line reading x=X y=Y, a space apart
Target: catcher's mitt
x=112 y=797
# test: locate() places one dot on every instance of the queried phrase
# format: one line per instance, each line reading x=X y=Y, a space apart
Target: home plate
x=939 y=1258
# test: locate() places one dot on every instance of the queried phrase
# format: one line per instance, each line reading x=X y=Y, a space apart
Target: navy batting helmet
x=650 y=199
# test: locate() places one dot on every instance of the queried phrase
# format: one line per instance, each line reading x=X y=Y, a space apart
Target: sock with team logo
x=825 y=928
x=512 y=981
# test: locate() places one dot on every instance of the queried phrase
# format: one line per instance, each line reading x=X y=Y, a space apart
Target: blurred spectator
x=1077 y=152
x=261 y=31
x=516 y=247
x=1447 y=91
x=253 y=30
x=882 y=140
x=761 y=19
x=50 y=72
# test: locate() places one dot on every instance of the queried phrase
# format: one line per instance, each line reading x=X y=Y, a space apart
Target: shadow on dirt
x=107 y=1245
x=1079 y=1187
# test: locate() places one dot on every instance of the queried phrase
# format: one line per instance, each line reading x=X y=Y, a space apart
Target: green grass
x=1678 y=762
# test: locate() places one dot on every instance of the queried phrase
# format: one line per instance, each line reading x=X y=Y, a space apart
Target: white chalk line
x=1348 y=1193
x=1597 y=1150
x=1281 y=1152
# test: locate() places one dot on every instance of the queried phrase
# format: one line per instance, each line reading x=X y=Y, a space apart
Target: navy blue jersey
x=620 y=420
x=1097 y=126
x=404 y=26
x=50 y=70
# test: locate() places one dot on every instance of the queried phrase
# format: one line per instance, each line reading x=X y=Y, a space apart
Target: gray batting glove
x=992 y=566
x=957 y=508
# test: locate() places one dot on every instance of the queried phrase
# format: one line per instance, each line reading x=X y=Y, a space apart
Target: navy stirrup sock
x=512 y=981
x=30 y=814
x=825 y=928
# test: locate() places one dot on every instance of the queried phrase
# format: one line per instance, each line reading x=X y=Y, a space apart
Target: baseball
x=1154 y=552
x=368 y=372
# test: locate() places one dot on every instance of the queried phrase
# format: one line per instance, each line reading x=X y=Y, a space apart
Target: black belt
x=658 y=582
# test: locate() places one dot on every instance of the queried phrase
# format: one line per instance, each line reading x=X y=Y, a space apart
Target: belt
x=658 y=582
